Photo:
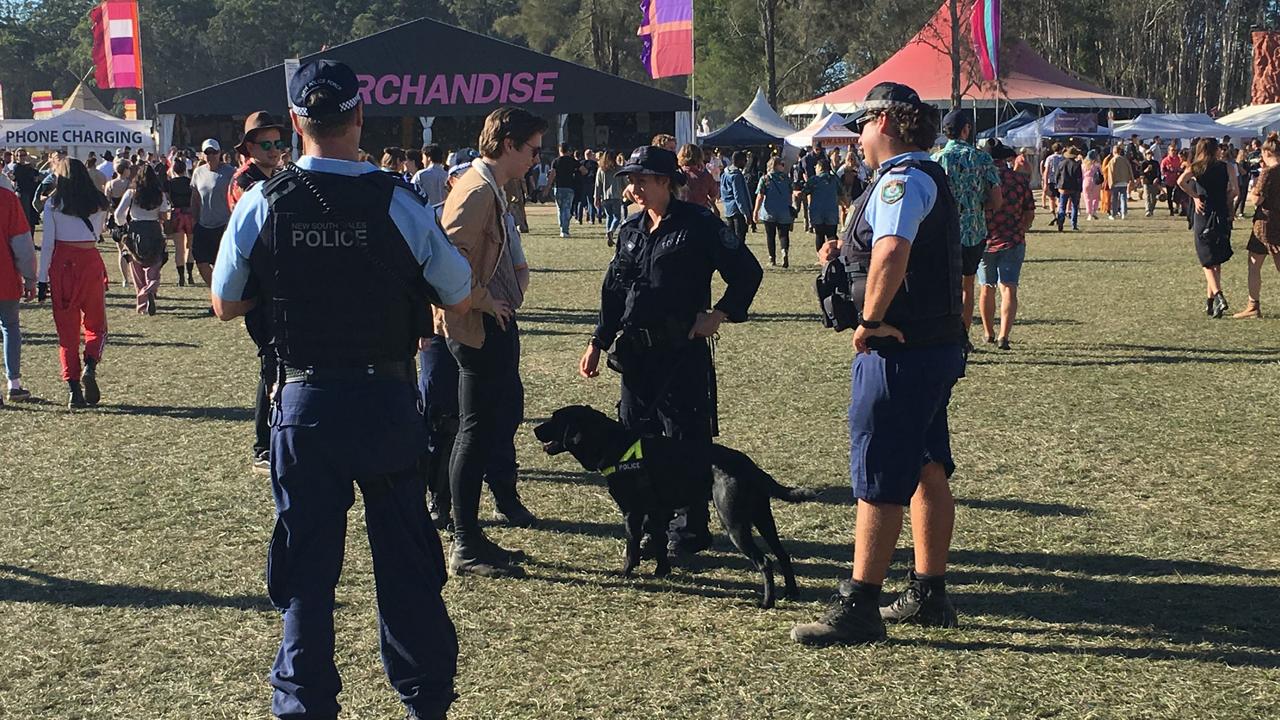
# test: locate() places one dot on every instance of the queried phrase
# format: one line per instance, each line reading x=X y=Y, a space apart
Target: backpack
x=1097 y=175
x=145 y=240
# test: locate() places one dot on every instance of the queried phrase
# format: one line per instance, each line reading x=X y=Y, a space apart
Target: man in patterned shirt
x=1006 y=247
x=976 y=187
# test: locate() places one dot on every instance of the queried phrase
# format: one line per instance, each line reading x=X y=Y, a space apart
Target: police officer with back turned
x=901 y=251
x=345 y=259
x=655 y=321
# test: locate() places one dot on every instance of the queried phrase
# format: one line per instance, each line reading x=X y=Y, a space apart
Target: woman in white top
x=140 y=211
x=71 y=271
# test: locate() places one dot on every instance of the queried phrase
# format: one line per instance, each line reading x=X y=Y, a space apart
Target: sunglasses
x=866 y=118
x=267 y=145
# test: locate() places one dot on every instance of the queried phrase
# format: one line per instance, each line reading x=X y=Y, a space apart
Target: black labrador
x=654 y=475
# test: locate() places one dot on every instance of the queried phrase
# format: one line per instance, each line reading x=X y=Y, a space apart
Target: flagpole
x=142 y=82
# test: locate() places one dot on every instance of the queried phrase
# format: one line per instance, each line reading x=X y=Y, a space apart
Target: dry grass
x=1115 y=554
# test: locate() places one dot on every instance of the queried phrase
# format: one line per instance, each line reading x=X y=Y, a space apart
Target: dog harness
x=632 y=459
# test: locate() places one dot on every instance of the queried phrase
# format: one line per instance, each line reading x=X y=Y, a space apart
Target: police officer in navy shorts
x=901 y=252
x=345 y=408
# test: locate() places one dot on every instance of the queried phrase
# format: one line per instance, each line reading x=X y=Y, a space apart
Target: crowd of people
x=432 y=244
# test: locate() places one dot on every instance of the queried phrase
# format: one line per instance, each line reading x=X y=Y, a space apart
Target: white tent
x=1180 y=126
x=826 y=129
x=1257 y=120
x=78 y=131
x=1055 y=124
x=763 y=116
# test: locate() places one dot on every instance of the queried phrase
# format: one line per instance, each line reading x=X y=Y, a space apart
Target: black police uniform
x=656 y=285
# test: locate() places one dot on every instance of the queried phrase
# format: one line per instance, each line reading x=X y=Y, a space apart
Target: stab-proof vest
x=926 y=307
x=345 y=288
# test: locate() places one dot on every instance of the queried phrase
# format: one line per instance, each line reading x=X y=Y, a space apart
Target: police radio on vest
x=329 y=234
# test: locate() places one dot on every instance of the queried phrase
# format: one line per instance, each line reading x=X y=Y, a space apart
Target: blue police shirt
x=900 y=198
x=443 y=267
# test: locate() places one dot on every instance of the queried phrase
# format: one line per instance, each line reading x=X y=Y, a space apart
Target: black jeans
x=783 y=233
x=490 y=408
x=738 y=224
x=262 y=407
x=821 y=234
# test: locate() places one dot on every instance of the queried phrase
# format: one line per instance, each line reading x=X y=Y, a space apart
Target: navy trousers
x=326 y=438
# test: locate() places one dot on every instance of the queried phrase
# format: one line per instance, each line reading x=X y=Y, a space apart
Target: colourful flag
x=42 y=104
x=57 y=105
x=117 y=44
x=667 y=30
x=985 y=24
x=130 y=109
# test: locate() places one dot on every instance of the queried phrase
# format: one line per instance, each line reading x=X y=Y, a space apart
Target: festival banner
x=131 y=109
x=117 y=44
x=42 y=104
x=984 y=22
x=667 y=30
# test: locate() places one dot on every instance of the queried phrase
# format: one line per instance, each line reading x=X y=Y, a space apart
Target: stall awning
x=75 y=128
x=428 y=68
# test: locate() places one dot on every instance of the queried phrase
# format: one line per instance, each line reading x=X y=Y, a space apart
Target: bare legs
x=1008 y=309
x=933 y=514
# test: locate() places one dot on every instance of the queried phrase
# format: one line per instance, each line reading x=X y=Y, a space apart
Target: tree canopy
x=1190 y=55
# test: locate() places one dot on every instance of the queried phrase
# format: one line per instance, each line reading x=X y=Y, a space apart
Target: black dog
x=654 y=475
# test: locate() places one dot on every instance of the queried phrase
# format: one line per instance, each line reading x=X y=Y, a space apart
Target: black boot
x=511 y=509
x=475 y=554
x=924 y=602
x=1219 y=305
x=181 y=280
x=76 y=398
x=90 y=379
x=852 y=620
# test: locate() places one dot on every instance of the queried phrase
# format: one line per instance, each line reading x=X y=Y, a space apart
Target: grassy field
x=1115 y=553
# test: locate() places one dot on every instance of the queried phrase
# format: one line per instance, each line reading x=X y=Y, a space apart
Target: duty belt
x=399 y=370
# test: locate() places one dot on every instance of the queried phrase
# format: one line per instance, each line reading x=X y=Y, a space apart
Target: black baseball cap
x=329 y=74
x=887 y=95
x=651 y=160
x=957 y=119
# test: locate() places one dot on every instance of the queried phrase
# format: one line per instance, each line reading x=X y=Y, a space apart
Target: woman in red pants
x=71 y=270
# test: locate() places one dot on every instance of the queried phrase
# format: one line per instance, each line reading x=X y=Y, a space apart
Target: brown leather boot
x=1252 y=310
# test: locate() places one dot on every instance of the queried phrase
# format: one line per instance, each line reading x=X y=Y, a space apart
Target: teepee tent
x=757 y=126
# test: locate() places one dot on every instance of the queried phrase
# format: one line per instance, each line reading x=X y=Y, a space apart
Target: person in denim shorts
x=1006 y=247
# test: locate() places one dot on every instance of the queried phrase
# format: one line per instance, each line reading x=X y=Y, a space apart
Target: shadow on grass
x=1104 y=261
x=1090 y=588
x=1118 y=354
x=1026 y=507
x=126 y=340
x=18 y=584
x=1228 y=657
x=180 y=412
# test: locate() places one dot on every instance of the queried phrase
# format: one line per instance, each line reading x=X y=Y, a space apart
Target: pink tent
x=924 y=63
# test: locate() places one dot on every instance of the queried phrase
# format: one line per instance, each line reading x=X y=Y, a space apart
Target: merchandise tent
x=826 y=129
x=1057 y=124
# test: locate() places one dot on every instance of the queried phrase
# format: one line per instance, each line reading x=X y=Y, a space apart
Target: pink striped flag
x=117 y=44
x=984 y=21
x=667 y=30
x=42 y=104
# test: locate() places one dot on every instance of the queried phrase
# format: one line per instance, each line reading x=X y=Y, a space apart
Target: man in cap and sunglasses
x=656 y=319
x=345 y=260
x=209 y=185
x=901 y=252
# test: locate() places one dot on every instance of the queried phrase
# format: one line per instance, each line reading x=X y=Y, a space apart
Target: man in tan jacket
x=485 y=341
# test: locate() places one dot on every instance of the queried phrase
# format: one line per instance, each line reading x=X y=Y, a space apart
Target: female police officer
x=654 y=318
x=345 y=410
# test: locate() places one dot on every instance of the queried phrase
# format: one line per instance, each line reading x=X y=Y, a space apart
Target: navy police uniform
x=898 y=401
x=656 y=285
x=343 y=259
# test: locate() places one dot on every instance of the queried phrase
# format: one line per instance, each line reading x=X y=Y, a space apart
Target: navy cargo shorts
x=898 y=419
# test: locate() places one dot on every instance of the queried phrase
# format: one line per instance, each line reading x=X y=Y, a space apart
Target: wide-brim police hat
x=651 y=160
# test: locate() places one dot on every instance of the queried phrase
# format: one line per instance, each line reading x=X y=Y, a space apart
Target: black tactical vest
x=345 y=288
x=927 y=306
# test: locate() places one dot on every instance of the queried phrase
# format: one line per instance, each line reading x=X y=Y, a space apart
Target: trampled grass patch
x=1115 y=554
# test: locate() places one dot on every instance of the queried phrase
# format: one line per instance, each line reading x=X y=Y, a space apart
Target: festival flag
x=42 y=104
x=57 y=105
x=667 y=30
x=117 y=44
x=985 y=24
x=130 y=109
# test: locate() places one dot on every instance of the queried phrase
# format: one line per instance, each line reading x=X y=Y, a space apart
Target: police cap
x=339 y=79
x=651 y=160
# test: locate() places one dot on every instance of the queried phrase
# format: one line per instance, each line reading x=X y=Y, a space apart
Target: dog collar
x=632 y=459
